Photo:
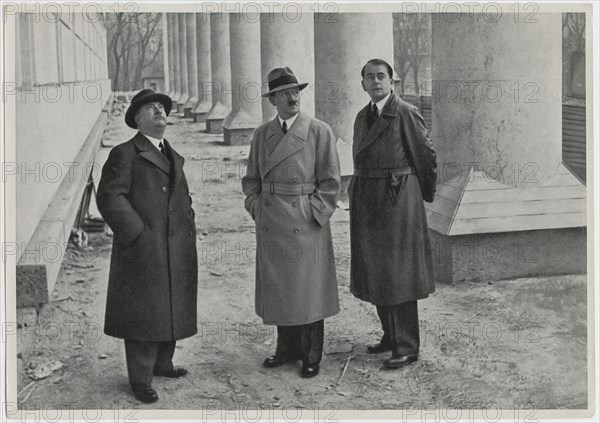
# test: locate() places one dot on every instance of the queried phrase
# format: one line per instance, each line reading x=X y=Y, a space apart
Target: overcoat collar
x=149 y=152
x=285 y=144
x=367 y=136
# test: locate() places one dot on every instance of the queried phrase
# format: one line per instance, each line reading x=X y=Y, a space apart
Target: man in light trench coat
x=291 y=186
x=143 y=195
x=394 y=171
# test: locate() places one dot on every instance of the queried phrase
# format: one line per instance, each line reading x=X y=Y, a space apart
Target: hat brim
x=285 y=87
x=164 y=99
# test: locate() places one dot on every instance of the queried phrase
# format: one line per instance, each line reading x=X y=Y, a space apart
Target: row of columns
x=218 y=65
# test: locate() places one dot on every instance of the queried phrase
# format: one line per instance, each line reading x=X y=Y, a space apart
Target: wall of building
x=62 y=86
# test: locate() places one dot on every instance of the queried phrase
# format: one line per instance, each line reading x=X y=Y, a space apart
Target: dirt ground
x=513 y=344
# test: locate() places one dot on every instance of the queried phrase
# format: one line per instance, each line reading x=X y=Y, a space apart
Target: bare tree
x=134 y=43
x=412 y=44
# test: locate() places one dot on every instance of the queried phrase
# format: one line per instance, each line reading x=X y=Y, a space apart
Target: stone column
x=176 y=61
x=185 y=94
x=220 y=68
x=246 y=104
x=192 y=64
x=504 y=201
x=167 y=52
x=496 y=94
x=202 y=107
x=282 y=37
x=343 y=44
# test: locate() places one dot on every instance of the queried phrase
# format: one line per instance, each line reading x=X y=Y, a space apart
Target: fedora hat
x=146 y=96
x=281 y=79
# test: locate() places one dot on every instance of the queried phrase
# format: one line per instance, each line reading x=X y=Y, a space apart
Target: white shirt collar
x=154 y=141
x=381 y=103
x=289 y=122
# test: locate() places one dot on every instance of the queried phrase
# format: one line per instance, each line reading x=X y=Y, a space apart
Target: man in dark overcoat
x=291 y=185
x=394 y=171
x=143 y=196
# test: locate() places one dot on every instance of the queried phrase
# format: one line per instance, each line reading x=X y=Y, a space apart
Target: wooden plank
x=523 y=194
x=524 y=208
x=437 y=222
x=518 y=223
x=444 y=206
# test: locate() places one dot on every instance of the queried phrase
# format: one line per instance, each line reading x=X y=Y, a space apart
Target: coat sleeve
x=421 y=151
x=251 y=182
x=112 y=198
x=327 y=168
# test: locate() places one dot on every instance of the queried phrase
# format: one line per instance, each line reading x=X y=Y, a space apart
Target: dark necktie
x=372 y=115
x=162 y=150
x=284 y=127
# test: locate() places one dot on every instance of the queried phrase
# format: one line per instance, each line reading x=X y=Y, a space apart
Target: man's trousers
x=400 y=324
x=303 y=342
x=144 y=357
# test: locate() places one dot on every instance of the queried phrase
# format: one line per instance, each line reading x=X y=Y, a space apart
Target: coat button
x=171 y=210
x=322 y=206
x=294 y=179
x=294 y=204
x=265 y=229
x=171 y=233
x=164 y=189
x=296 y=231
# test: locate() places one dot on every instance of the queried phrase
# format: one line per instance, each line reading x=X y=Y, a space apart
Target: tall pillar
x=220 y=69
x=167 y=52
x=496 y=126
x=192 y=64
x=203 y=53
x=176 y=61
x=281 y=38
x=343 y=44
x=185 y=93
x=246 y=105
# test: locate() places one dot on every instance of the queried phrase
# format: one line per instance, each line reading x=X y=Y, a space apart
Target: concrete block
x=509 y=255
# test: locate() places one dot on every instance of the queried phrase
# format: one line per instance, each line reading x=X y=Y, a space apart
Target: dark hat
x=146 y=96
x=281 y=79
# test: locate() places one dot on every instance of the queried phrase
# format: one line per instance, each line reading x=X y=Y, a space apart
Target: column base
x=180 y=108
x=508 y=255
x=187 y=112
x=214 y=126
x=199 y=117
x=238 y=136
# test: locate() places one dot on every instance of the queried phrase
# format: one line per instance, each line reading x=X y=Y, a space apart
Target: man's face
x=377 y=82
x=151 y=116
x=287 y=102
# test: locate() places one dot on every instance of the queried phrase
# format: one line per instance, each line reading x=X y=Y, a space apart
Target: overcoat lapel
x=177 y=164
x=151 y=153
x=368 y=136
x=285 y=144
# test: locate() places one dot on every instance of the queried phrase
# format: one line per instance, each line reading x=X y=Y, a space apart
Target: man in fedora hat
x=143 y=195
x=291 y=185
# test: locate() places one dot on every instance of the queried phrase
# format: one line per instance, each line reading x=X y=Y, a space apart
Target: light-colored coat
x=295 y=268
x=152 y=286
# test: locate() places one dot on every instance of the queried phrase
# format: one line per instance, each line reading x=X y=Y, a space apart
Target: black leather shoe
x=398 y=362
x=144 y=393
x=378 y=348
x=172 y=373
x=310 y=370
x=277 y=360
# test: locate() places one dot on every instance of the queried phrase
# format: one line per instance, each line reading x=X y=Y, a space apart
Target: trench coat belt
x=288 y=189
x=384 y=173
